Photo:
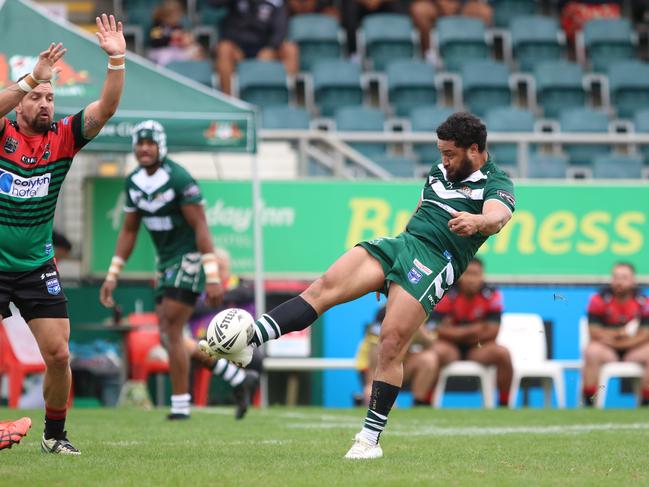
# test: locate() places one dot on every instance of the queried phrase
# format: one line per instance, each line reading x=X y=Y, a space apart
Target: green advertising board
x=559 y=232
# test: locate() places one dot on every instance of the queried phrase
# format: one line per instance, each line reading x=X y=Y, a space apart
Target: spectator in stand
x=253 y=29
x=574 y=14
x=300 y=7
x=468 y=319
x=168 y=38
x=618 y=324
x=424 y=13
x=354 y=11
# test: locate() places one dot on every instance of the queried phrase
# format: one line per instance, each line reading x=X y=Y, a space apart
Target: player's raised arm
x=111 y=40
x=43 y=73
x=493 y=218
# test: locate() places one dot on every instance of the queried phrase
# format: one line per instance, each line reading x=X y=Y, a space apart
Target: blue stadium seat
x=629 y=85
x=508 y=119
x=616 y=166
x=387 y=37
x=285 y=117
x=336 y=84
x=608 y=41
x=485 y=85
x=362 y=119
x=506 y=10
x=262 y=83
x=200 y=71
x=410 y=84
x=318 y=37
x=460 y=40
x=559 y=86
x=584 y=120
x=398 y=166
x=535 y=39
x=547 y=166
x=427 y=119
x=641 y=122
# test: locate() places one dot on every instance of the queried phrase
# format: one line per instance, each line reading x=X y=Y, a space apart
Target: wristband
x=116 y=264
x=211 y=268
x=28 y=83
x=117 y=62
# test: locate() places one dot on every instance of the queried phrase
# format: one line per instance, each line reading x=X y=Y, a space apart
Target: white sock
x=266 y=329
x=232 y=374
x=180 y=403
x=373 y=427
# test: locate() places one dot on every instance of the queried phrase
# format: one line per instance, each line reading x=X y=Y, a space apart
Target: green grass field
x=305 y=446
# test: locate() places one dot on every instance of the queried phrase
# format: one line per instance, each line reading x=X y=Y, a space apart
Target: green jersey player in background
x=162 y=194
x=465 y=198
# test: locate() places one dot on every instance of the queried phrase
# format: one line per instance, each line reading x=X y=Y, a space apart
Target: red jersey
x=487 y=305
x=32 y=170
x=607 y=311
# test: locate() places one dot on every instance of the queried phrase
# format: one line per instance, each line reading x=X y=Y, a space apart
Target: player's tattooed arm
x=91 y=126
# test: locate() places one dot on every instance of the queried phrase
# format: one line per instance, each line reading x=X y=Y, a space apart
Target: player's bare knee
x=57 y=357
x=390 y=345
x=321 y=291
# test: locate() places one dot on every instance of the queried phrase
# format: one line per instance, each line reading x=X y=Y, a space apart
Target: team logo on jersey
x=508 y=197
x=11 y=145
x=20 y=187
x=466 y=191
x=448 y=255
x=48 y=248
x=53 y=286
x=47 y=153
x=414 y=276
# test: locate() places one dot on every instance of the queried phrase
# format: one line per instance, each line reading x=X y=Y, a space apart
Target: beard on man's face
x=40 y=124
x=463 y=171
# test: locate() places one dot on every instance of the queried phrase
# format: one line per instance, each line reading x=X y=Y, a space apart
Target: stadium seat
x=467 y=368
x=508 y=119
x=641 y=122
x=410 y=84
x=584 y=120
x=286 y=117
x=398 y=166
x=535 y=39
x=209 y=15
x=262 y=83
x=460 y=40
x=608 y=41
x=559 y=86
x=629 y=85
x=200 y=71
x=616 y=166
x=506 y=10
x=485 y=85
x=427 y=119
x=523 y=334
x=317 y=36
x=547 y=166
x=362 y=119
x=386 y=37
x=336 y=84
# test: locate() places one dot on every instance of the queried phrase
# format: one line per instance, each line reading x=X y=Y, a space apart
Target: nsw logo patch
x=414 y=276
x=53 y=286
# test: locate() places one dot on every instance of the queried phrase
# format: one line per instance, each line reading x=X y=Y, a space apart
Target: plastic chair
x=286 y=117
x=336 y=84
x=547 y=166
x=641 y=123
x=318 y=37
x=362 y=119
x=384 y=37
x=200 y=71
x=584 y=120
x=535 y=38
x=608 y=41
x=410 y=84
x=559 y=86
x=523 y=334
x=262 y=83
x=485 y=85
x=19 y=354
x=398 y=166
x=507 y=10
x=508 y=119
x=427 y=119
x=460 y=40
x=467 y=368
x=629 y=87
x=617 y=166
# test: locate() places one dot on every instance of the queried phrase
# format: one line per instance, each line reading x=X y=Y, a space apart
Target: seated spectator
x=300 y=7
x=62 y=246
x=618 y=325
x=355 y=10
x=424 y=13
x=468 y=320
x=168 y=39
x=253 y=29
x=420 y=368
x=574 y=14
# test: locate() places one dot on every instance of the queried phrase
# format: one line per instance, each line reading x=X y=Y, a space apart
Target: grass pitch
x=305 y=446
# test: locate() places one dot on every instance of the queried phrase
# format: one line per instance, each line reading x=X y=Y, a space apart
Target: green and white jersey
x=159 y=198
x=440 y=197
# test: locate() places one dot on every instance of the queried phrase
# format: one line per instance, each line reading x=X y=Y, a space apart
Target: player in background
x=618 y=325
x=468 y=320
x=465 y=198
x=162 y=194
x=35 y=156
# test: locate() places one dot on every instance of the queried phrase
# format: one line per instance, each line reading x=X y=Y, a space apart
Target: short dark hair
x=465 y=129
x=625 y=264
x=477 y=260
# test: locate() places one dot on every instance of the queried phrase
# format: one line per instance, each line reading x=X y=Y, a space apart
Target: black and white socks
x=381 y=402
x=230 y=373
x=293 y=315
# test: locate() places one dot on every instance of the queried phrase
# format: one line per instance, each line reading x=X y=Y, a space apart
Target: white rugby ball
x=230 y=331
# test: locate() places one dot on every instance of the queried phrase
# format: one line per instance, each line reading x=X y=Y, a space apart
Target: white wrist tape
x=211 y=268
x=116 y=265
x=28 y=83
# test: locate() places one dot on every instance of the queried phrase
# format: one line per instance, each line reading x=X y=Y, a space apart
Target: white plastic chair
x=523 y=334
x=611 y=370
x=467 y=368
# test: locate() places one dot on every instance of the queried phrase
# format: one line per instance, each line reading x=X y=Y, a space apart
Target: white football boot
x=241 y=358
x=363 y=449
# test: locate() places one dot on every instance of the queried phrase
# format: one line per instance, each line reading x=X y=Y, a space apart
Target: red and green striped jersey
x=32 y=170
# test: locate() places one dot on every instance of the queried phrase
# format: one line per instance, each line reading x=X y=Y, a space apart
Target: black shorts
x=36 y=293
x=177 y=294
